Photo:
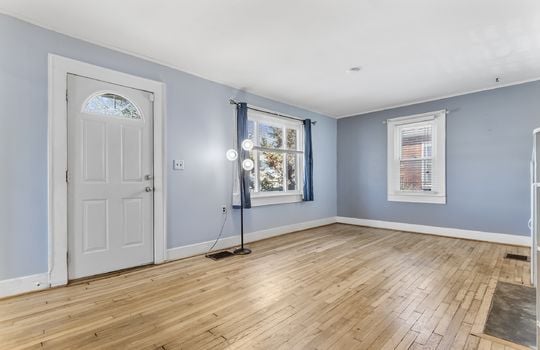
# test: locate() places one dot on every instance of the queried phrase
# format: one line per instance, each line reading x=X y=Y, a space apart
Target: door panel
x=94 y=150
x=110 y=163
x=133 y=221
x=95 y=225
x=131 y=154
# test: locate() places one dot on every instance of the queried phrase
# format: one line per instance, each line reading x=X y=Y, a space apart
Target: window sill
x=417 y=198
x=271 y=199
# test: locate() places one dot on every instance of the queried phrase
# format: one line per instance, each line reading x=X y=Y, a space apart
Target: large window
x=416 y=158
x=279 y=159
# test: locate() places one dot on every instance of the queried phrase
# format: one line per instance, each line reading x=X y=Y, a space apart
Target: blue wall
x=489 y=140
x=199 y=130
x=489 y=144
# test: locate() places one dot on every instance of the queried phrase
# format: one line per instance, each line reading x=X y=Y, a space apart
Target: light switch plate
x=178 y=165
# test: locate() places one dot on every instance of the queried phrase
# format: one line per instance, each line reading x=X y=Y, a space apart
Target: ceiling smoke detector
x=354 y=69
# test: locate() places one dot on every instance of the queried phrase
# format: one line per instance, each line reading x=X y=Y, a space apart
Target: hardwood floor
x=333 y=287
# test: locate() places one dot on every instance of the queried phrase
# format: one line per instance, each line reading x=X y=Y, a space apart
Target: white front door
x=110 y=177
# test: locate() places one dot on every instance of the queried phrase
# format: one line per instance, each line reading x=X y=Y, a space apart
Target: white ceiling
x=298 y=51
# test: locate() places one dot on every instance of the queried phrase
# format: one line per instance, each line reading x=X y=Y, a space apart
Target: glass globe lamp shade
x=248 y=164
x=231 y=155
x=247 y=145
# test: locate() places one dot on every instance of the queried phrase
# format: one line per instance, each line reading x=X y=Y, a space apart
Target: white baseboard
x=39 y=281
x=228 y=242
x=23 y=284
x=440 y=231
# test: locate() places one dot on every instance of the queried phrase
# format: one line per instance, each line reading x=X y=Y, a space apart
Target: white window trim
x=438 y=196
x=59 y=68
x=272 y=198
x=276 y=198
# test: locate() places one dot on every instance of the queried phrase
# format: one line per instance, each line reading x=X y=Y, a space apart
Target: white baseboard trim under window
x=228 y=242
x=23 y=284
x=503 y=238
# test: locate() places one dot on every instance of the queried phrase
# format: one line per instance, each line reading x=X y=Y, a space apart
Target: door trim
x=57 y=144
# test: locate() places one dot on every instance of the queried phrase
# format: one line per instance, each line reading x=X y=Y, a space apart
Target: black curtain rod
x=233 y=102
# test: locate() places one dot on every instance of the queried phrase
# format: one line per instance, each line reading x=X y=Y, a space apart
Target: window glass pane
x=427 y=150
x=111 y=104
x=291 y=172
x=416 y=165
x=251 y=130
x=271 y=171
x=416 y=142
x=291 y=139
x=270 y=136
x=416 y=175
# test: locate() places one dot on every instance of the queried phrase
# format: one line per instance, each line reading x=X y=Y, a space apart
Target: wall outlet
x=178 y=164
x=223 y=209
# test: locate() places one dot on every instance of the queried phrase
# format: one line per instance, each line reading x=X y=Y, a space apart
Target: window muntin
x=111 y=104
x=416 y=158
x=278 y=155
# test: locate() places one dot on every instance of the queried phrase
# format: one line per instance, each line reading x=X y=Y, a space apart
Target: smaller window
x=416 y=158
x=111 y=104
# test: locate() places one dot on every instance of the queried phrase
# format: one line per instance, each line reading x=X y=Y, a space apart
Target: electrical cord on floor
x=220 y=233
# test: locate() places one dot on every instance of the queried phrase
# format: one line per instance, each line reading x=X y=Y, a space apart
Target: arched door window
x=111 y=104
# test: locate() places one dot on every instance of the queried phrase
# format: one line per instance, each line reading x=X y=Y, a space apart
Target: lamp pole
x=243 y=166
x=242 y=250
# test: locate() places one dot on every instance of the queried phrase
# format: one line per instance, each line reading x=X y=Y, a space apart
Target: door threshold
x=105 y=275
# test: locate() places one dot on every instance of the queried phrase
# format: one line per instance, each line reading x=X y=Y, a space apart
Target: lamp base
x=242 y=251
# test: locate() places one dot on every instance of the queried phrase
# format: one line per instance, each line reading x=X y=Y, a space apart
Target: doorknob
x=149 y=189
x=148 y=177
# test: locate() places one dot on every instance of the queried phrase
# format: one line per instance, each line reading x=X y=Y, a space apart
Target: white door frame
x=59 y=67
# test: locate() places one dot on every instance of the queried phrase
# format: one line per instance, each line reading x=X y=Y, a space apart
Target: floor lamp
x=246 y=165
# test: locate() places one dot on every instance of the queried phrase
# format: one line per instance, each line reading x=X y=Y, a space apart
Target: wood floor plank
x=332 y=287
